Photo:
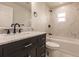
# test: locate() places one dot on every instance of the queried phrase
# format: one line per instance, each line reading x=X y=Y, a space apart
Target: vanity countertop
x=8 y=38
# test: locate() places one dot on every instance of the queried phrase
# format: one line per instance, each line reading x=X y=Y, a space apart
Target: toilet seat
x=52 y=45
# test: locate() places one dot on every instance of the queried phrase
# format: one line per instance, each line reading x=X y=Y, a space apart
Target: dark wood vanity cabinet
x=30 y=47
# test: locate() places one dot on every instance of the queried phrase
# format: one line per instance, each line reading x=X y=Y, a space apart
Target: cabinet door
x=32 y=47
x=15 y=52
x=41 y=46
x=0 y=51
x=15 y=49
x=33 y=52
x=41 y=51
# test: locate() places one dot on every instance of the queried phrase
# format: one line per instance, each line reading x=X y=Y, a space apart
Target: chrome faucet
x=14 y=25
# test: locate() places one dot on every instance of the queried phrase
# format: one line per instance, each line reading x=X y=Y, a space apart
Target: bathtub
x=68 y=47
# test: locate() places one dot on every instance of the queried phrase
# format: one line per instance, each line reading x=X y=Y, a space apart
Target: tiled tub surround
x=69 y=28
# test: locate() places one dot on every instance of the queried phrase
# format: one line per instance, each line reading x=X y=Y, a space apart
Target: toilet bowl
x=52 y=47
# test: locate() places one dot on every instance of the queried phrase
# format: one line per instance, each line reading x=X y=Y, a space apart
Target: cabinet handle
x=28 y=45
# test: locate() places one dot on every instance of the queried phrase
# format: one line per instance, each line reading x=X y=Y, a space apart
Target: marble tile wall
x=69 y=28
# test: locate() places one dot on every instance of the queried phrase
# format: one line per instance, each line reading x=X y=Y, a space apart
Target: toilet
x=52 y=47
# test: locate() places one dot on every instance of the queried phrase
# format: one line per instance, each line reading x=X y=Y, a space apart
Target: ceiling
x=26 y=5
x=49 y=4
x=56 y=4
x=23 y=4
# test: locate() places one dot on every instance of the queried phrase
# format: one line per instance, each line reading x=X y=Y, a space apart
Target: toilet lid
x=52 y=45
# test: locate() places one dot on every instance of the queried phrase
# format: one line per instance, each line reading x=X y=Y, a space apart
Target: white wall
x=70 y=27
x=40 y=23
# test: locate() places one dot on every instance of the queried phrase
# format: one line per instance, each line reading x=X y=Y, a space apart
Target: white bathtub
x=68 y=47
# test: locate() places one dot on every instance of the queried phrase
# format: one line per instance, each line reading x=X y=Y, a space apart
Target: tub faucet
x=14 y=25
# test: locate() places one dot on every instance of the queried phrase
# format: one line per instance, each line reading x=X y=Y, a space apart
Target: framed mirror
x=6 y=16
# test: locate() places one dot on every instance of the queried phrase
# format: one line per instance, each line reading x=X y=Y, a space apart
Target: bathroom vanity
x=31 y=44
